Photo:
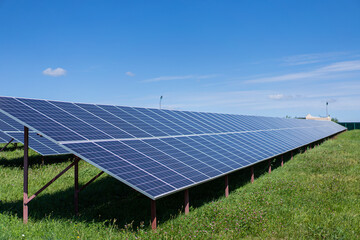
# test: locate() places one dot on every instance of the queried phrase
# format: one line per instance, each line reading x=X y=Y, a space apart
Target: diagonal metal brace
x=50 y=182
x=93 y=179
x=6 y=145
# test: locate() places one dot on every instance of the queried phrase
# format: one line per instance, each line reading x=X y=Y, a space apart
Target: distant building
x=309 y=117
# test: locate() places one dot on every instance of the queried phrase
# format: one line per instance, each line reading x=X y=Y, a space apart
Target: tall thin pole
x=153 y=214
x=327 y=114
x=76 y=186
x=269 y=165
x=252 y=174
x=186 y=198
x=226 y=185
x=6 y=145
x=161 y=97
x=26 y=174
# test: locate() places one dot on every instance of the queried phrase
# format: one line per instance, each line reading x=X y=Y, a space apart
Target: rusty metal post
x=76 y=186
x=26 y=175
x=226 y=185
x=186 y=198
x=269 y=165
x=6 y=145
x=252 y=174
x=291 y=155
x=282 y=160
x=153 y=214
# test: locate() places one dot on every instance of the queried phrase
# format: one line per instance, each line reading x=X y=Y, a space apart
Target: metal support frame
x=252 y=174
x=226 y=185
x=282 y=160
x=26 y=175
x=292 y=155
x=269 y=165
x=91 y=180
x=26 y=198
x=186 y=199
x=50 y=182
x=153 y=214
x=76 y=186
x=6 y=145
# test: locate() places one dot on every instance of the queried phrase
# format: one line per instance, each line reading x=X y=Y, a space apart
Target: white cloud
x=54 y=72
x=276 y=96
x=313 y=58
x=326 y=71
x=168 y=78
x=130 y=74
x=283 y=97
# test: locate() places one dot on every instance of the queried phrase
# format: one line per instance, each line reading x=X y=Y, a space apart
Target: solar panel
x=9 y=128
x=4 y=138
x=158 y=152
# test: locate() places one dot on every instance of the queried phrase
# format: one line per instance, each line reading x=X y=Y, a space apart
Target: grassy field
x=316 y=195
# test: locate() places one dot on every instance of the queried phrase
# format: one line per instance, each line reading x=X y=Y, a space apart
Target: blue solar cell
x=110 y=130
x=178 y=121
x=14 y=130
x=159 y=152
x=182 y=116
x=37 y=120
x=215 y=122
x=165 y=159
x=40 y=144
x=207 y=149
x=71 y=122
x=146 y=130
x=4 y=138
x=159 y=126
x=156 y=115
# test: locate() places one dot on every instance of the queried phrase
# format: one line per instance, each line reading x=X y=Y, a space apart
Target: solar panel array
x=159 y=152
x=9 y=128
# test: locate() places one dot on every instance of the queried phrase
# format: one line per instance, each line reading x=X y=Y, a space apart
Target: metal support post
x=291 y=155
x=76 y=186
x=186 y=198
x=26 y=174
x=226 y=185
x=269 y=165
x=6 y=145
x=93 y=179
x=153 y=214
x=282 y=160
x=252 y=174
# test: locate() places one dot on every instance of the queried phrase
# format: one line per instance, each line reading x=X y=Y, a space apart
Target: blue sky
x=271 y=58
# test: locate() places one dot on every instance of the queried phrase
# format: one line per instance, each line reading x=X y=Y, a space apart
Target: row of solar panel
x=10 y=129
x=160 y=166
x=76 y=122
x=163 y=160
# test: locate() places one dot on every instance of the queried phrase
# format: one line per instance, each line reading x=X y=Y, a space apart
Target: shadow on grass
x=34 y=160
x=107 y=199
x=12 y=147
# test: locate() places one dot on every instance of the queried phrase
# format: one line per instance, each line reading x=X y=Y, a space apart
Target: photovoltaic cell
x=4 y=138
x=158 y=152
x=11 y=129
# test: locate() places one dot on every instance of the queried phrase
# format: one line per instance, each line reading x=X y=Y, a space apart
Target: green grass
x=316 y=195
